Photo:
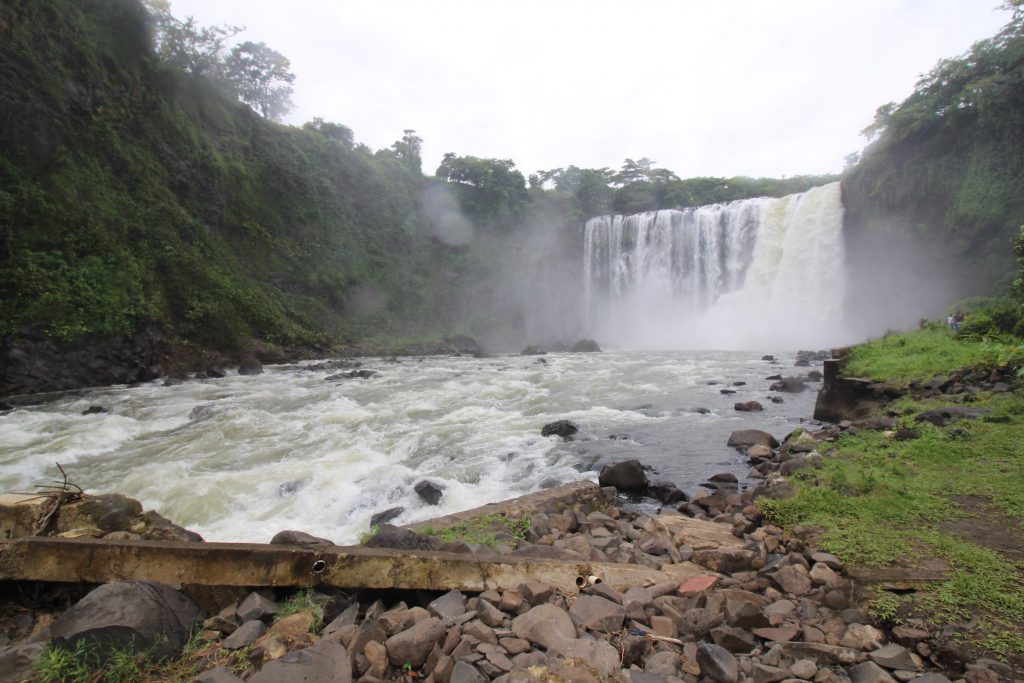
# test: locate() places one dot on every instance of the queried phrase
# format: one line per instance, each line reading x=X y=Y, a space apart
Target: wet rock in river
x=430 y=492
x=748 y=407
x=386 y=516
x=299 y=538
x=627 y=475
x=562 y=428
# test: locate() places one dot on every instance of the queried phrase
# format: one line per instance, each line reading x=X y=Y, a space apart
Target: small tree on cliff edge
x=262 y=78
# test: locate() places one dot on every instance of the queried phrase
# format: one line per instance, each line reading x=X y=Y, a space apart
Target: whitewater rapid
x=745 y=274
x=290 y=449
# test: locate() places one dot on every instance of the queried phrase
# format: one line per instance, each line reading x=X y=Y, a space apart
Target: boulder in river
x=742 y=438
x=586 y=346
x=250 y=366
x=562 y=428
x=430 y=492
x=137 y=615
x=789 y=384
x=385 y=516
x=748 y=407
x=627 y=475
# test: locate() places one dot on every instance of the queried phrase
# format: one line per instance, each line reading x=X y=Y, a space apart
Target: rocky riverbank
x=766 y=606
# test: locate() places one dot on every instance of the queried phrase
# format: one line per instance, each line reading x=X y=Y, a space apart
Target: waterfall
x=747 y=274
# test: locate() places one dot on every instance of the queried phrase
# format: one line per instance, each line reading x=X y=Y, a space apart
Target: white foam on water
x=288 y=449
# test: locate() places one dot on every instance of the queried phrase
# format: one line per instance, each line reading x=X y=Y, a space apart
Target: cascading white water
x=748 y=274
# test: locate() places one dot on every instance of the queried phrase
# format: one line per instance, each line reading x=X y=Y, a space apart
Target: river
x=242 y=457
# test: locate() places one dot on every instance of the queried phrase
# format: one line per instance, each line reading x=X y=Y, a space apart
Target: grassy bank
x=943 y=499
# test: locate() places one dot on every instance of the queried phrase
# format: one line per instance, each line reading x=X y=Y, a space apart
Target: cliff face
x=933 y=206
x=134 y=197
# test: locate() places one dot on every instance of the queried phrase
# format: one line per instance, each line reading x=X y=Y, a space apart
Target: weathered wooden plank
x=86 y=560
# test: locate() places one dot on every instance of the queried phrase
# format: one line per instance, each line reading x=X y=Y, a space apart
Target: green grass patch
x=904 y=357
x=483 y=530
x=306 y=600
x=882 y=502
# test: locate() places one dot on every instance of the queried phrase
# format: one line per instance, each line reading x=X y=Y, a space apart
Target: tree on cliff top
x=262 y=78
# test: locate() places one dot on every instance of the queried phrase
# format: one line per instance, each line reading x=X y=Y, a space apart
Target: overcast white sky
x=709 y=87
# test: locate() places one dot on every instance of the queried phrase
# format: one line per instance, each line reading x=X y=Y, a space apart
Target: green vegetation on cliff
x=945 y=172
x=132 y=192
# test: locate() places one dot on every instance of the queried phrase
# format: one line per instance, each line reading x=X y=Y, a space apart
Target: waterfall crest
x=735 y=275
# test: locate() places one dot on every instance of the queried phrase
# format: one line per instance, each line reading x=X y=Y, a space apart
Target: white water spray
x=748 y=274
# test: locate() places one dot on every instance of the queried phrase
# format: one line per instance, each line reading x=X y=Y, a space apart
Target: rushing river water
x=291 y=450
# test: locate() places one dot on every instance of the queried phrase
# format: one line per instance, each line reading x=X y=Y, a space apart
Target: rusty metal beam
x=87 y=560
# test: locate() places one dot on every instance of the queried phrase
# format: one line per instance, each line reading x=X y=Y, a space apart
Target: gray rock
x=17 y=662
x=627 y=475
x=869 y=672
x=255 y=606
x=804 y=668
x=299 y=538
x=792 y=581
x=717 y=663
x=489 y=614
x=893 y=656
x=464 y=672
x=600 y=655
x=413 y=645
x=743 y=438
x=325 y=662
x=450 y=605
x=733 y=639
x=597 y=614
x=769 y=674
x=221 y=674
x=748 y=406
x=644 y=677
x=562 y=428
x=698 y=622
x=346 y=618
x=932 y=677
x=545 y=625
x=129 y=614
x=662 y=664
x=245 y=635
x=389 y=536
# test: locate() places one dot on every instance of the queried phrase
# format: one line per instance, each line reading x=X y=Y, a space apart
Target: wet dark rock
x=724 y=477
x=768 y=357
x=627 y=475
x=354 y=374
x=132 y=615
x=727 y=392
x=748 y=407
x=203 y=411
x=666 y=492
x=562 y=428
x=215 y=372
x=389 y=536
x=940 y=417
x=586 y=346
x=814 y=376
x=250 y=366
x=743 y=438
x=430 y=492
x=789 y=385
x=532 y=351
x=619 y=437
x=299 y=538
x=290 y=487
x=699 y=411
x=385 y=516
x=95 y=410
x=906 y=435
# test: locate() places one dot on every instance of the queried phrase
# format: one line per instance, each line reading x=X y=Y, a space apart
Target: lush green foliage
x=483 y=529
x=305 y=600
x=133 y=193
x=932 y=350
x=946 y=167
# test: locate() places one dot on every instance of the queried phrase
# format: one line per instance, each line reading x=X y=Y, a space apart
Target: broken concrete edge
x=557 y=498
x=100 y=561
